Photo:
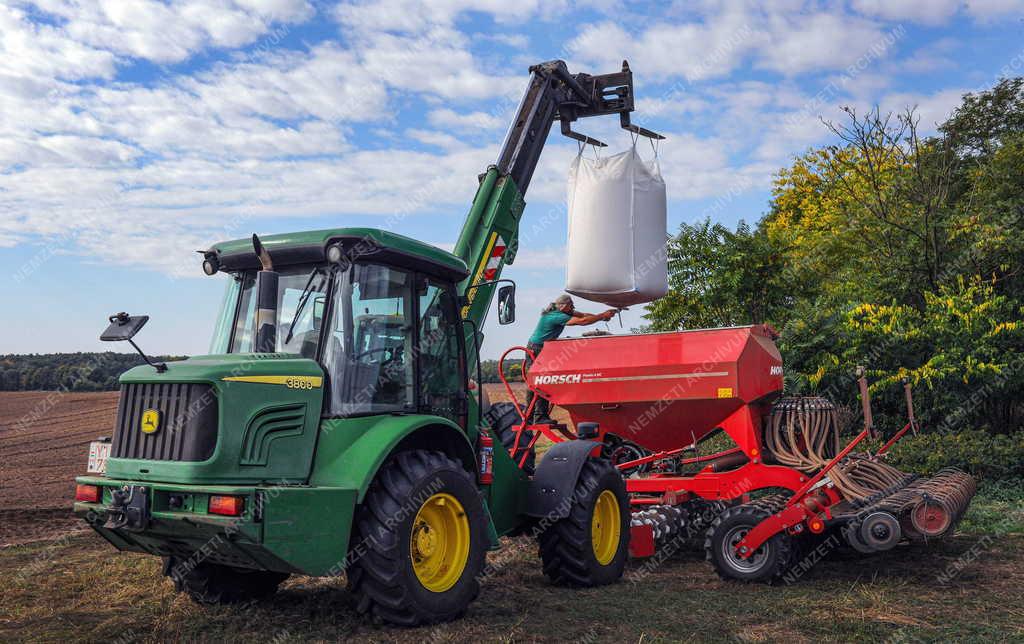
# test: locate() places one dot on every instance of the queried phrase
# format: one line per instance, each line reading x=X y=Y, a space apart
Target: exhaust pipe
x=266 y=300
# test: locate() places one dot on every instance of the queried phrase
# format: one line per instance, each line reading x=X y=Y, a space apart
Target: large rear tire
x=590 y=546
x=419 y=541
x=210 y=584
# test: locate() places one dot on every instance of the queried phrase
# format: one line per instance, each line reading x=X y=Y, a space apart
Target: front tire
x=419 y=541
x=590 y=546
x=211 y=584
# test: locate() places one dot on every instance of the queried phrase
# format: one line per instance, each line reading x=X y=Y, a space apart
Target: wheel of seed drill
x=880 y=531
x=852 y=533
x=930 y=518
x=766 y=564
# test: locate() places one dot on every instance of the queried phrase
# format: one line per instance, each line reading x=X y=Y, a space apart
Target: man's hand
x=584 y=319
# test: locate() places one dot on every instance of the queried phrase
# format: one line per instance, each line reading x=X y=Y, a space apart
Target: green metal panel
x=351 y=450
x=301 y=529
x=321 y=237
x=506 y=497
x=495 y=215
x=309 y=527
x=253 y=445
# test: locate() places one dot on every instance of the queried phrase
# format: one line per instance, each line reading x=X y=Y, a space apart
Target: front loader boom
x=490 y=236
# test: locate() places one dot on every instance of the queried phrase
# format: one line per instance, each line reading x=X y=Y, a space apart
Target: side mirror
x=319 y=305
x=507 y=304
x=123 y=327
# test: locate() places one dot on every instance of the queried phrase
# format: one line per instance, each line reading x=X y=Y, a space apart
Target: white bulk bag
x=617 y=230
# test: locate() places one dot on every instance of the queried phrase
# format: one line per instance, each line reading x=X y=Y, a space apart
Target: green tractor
x=336 y=425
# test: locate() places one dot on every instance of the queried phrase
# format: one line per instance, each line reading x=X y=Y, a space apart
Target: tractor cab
x=347 y=323
x=376 y=311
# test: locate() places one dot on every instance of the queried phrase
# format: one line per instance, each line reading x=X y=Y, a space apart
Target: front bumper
x=296 y=529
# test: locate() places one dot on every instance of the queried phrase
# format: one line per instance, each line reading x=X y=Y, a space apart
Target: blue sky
x=133 y=132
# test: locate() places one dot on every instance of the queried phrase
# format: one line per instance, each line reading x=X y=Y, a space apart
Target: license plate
x=98 y=454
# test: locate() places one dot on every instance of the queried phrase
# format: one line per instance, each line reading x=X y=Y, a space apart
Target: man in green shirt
x=553 y=320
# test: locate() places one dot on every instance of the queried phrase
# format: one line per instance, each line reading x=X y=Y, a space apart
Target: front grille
x=187 y=422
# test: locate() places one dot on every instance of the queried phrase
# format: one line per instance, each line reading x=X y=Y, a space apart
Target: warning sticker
x=725 y=392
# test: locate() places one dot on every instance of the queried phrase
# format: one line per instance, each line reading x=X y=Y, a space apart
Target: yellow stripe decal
x=478 y=277
x=292 y=382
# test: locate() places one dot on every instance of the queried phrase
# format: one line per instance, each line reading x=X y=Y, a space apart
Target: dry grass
x=81 y=589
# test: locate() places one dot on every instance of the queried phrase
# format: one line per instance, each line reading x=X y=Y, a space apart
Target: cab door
x=441 y=364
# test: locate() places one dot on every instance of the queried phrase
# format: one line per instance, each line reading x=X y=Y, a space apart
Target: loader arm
x=490 y=235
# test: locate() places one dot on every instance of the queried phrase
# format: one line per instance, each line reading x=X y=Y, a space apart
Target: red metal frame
x=537 y=430
x=797 y=510
x=810 y=504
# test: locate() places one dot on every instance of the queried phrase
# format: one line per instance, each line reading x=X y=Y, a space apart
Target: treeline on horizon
x=96 y=371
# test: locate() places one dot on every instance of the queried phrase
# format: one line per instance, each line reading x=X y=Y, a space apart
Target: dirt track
x=44 y=443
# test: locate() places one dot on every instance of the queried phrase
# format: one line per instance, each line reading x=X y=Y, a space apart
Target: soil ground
x=63 y=583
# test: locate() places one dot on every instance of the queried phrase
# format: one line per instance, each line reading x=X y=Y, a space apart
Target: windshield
x=301 y=295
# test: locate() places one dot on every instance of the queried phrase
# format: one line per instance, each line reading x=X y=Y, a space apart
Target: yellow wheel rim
x=439 y=542
x=604 y=527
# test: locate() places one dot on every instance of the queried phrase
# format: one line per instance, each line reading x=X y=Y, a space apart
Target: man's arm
x=584 y=319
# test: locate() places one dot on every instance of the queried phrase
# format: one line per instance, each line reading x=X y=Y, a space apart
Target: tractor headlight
x=209 y=267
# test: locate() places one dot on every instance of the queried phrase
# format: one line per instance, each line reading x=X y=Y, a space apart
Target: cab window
x=441 y=363
x=369 y=354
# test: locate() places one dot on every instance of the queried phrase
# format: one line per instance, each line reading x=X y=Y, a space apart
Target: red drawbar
x=227 y=505
x=87 y=493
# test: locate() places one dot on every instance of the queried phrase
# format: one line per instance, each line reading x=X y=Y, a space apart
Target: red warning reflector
x=230 y=506
x=87 y=493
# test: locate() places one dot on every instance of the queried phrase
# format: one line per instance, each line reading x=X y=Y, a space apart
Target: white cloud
x=937 y=12
x=515 y=41
x=413 y=16
x=788 y=38
x=933 y=12
x=818 y=41
x=169 y=33
x=694 y=51
x=529 y=258
x=932 y=108
x=448 y=118
x=988 y=10
x=41 y=51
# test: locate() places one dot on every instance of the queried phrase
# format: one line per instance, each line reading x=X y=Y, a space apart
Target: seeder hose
x=803 y=433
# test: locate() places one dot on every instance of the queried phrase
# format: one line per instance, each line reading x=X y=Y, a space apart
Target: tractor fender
x=554 y=482
x=353 y=465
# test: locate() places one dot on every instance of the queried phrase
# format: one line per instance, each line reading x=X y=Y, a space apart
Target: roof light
x=209 y=267
x=334 y=253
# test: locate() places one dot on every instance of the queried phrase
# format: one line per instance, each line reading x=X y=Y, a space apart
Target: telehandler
x=339 y=425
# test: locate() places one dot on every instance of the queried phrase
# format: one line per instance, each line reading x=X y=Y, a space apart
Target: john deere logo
x=150 y=421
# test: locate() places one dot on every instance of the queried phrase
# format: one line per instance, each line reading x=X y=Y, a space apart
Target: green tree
x=719 y=277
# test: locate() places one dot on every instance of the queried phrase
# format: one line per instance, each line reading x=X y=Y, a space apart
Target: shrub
x=990 y=457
